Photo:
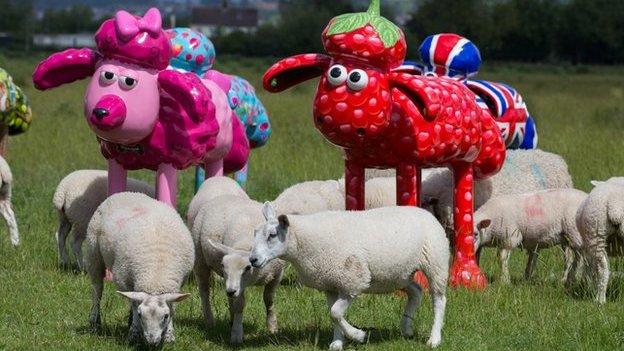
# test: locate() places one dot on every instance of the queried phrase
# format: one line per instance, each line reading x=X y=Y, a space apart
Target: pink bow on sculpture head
x=128 y=26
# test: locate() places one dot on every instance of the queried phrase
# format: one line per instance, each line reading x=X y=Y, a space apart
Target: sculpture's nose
x=100 y=113
x=108 y=113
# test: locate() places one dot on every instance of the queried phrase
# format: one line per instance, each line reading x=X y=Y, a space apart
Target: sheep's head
x=154 y=313
x=269 y=238
x=481 y=233
x=237 y=271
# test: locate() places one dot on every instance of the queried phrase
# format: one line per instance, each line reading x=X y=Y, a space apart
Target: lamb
x=311 y=197
x=600 y=220
x=76 y=198
x=149 y=250
x=223 y=236
x=211 y=188
x=6 y=207
x=340 y=253
x=534 y=220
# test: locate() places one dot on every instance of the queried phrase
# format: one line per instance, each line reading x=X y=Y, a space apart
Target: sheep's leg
x=134 y=334
x=96 y=272
x=438 y=299
x=167 y=184
x=337 y=312
x=569 y=261
x=61 y=237
x=602 y=265
x=465 y=271
x=268 y=296
x=203 y=275
x=79 y=237
x=530 y=266
x=237 y=304
x=117 y=177
x=503 y=256
x=407 y=185
x=338 y=340
x=354 y=186
x=414 y=295
x=9 y=217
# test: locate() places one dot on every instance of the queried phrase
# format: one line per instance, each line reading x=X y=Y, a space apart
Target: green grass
x=579 y=114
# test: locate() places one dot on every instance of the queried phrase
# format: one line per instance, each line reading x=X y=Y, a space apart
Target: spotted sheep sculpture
x=383 y=118
x=145 y=115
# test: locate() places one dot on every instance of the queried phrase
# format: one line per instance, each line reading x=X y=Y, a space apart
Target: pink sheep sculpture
x=144 y=115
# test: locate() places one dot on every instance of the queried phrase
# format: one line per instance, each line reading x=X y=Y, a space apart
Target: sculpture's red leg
x=354 y=186
x=408 y=185
x=465 y=271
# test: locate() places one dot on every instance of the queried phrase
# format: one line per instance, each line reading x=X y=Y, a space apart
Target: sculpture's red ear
x=65 y=67
x=189 y=92
x=294 y=70
x=418 y=98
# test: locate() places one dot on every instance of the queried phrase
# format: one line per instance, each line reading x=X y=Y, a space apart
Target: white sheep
x=223 y=236
x=150 y=252
x=76 y=198
x=535 y=221
x=600 y=220
x=311 y=197
x=345 y=254
x=6 y=207
x=211 y=188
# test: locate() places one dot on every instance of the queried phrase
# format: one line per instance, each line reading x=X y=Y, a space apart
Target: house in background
x=62 y=40
x=212 y=20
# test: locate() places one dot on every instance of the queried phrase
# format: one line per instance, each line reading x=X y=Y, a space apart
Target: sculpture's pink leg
x=117 y=177
x=408 y=185
x=214 y=169
x=465 y=271
x=354 y=186
x=167 y=184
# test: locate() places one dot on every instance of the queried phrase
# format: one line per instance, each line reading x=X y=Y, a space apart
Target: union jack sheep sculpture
x=451 y=55
x=145 y=115
x=390 y=119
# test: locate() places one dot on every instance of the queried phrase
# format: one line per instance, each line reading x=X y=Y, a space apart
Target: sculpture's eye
x=358 y=80
x=127 y=82
x=337 y=75
x=107 y=77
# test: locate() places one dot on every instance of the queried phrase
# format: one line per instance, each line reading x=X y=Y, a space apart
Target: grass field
x=579 y=113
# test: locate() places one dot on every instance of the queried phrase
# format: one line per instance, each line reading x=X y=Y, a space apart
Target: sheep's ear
x=294 y=70
x=217 y=250
x=430 y=201
x=65 y=67
x=133 y=295
x=268 y=211
x=596 y=182
x=484 y=224
x=175 y=297
x=283 y=221
x=188 y=90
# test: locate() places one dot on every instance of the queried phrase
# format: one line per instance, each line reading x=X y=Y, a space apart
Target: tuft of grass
x=579 y=115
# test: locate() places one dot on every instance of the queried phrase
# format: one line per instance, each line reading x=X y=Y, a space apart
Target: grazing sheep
x=76 y=198
x=6 y=207
x=149 y=250
x=344 y=255
x=311 y=197
x=223 y=236
x=524 y=171
x=211 y=188
x=600 y=220
x=535 y=220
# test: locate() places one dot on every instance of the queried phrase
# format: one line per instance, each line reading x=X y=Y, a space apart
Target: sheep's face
x=237 y=273
x=481 y=233
x=269 y=238
x=153 y=313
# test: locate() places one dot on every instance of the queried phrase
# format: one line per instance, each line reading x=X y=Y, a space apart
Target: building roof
x=224 y=16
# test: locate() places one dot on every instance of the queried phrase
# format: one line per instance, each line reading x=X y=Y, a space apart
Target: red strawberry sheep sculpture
x=384 y=118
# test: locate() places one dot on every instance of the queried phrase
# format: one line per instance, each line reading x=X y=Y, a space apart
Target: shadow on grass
x=320 y=338
x=585 y=290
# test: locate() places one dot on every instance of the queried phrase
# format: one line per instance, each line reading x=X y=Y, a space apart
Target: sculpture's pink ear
x=188 y=90
x=294 y=70
x=65 y=67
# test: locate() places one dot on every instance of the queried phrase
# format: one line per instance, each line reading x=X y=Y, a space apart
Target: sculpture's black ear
x=283 y=221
